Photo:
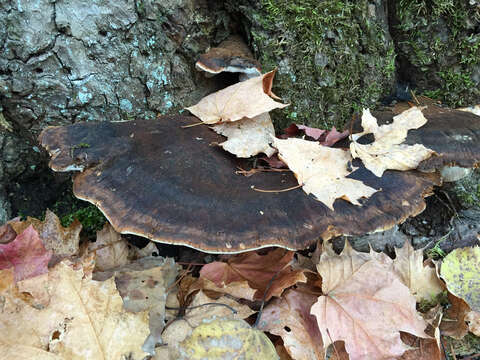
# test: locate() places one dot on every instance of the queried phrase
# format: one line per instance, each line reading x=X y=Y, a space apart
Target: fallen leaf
x=312 y=132
x=387 y=151
x=425 y=349
x=290 y=318
x=7 y=234
x=62 y=241
x=453 y=323
x=459 y=269
x=365 y=304
x=85 y=319
x=110 y=248
x=26 y=254
x=333 y=136
x=422 y=280
x=247 y=137
x=143 y=286
x=273 y=161
x=257 y=270
x=248 y=99
x=473 y=320
x=220 y=339
x=201 y=309
x=322 y=171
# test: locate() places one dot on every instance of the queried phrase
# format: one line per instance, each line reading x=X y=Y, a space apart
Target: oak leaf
x=365 y=304
x=387 y=151
x=84 y=319
x=248 y=99
x=247 y=137
x=422 y=280
x=26 y=254
x=257 y=270
x=322 y=171
x=290 y=318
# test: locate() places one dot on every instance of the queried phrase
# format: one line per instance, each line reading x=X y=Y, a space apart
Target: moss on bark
x=333 y=57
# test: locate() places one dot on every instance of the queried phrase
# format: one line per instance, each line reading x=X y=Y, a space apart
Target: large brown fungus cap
x=157 y=180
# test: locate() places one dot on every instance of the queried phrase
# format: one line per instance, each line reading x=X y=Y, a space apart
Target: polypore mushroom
x=157 y=180
x=231 y=55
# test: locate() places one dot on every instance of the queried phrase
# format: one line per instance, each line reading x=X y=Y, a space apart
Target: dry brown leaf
x=237 y=289
x=425 y=349
x=143 y=286
x=111 y=250
x=257 y=270
x=248 y=137
x=85 y=319
x=365 y=304
x=289 y=317
x=62 y=241
x=422 y=281
x=387 y=151
x=244 y=99
x=473 y=320
x=453 y=323
x=322 y=171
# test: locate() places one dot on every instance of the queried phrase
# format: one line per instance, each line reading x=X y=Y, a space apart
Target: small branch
x=277 y=191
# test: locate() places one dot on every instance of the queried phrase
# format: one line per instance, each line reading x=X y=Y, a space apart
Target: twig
x=192 y=125
x=277 y=191
x=453 y=352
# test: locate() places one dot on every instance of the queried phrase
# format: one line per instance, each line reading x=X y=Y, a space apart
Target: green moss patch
x=333 y=57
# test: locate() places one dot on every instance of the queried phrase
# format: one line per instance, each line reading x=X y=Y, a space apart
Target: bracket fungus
x=157 y=180
x=231 y=55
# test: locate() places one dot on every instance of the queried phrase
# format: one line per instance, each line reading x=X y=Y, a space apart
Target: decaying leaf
x=143 y=286
x=248 y=137
x=322 y=171
x=257 y=270
x=387 y=151
x=222 y=339
x=201 y=309
x=365 y=304
x=454 y=323
x=26 y=254
x=422 y=280
x=473 y=320
x=62 y=241
x=290 y=318
x=7 y=233
x=110 y=249
x=459 y=269
x=248 y=98
x=84 y=319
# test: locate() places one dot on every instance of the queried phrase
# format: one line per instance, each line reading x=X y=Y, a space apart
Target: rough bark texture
x=69 y=60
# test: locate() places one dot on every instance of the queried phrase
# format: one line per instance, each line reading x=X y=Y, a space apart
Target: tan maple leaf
x=422 y=280
x=322 y=171
x=248 y=137
x=84 y=319
x=290 y=318
x=387 y=151
x=365 y=304
x=248 y=98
